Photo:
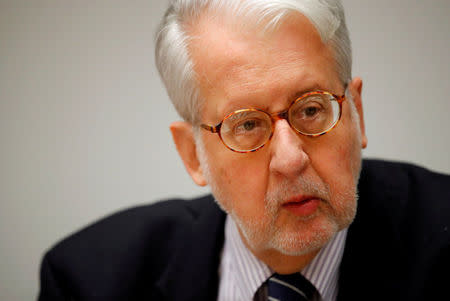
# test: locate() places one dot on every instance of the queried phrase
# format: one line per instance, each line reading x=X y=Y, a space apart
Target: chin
x=299 y=238
x=307 y=238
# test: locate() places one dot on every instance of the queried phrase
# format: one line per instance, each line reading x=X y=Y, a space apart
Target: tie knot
x=290 y=287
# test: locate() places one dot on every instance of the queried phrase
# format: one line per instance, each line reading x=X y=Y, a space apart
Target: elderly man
x=274 y=124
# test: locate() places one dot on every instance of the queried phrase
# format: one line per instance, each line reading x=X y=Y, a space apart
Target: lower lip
x=304 y=208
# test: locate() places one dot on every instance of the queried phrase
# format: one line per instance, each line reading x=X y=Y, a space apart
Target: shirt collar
x=250 y=272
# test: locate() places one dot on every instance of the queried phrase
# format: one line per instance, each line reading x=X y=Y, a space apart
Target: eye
x=247 y=126
x=311 y=110
x=308 y=111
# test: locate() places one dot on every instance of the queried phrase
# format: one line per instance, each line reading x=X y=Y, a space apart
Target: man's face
x=292 y=195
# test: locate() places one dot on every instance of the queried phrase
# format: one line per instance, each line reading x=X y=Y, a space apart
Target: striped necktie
x=290 y=287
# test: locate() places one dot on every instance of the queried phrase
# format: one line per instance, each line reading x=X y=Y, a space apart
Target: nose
x=288 y=157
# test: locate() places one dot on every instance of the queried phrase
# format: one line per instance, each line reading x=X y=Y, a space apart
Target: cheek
x=335 y=159
x=243 y=181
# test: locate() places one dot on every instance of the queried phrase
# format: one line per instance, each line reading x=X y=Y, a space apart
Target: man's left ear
x=355 y=87
x=183 y=136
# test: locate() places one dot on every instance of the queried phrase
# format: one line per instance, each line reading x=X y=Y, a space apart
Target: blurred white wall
x=84 y=117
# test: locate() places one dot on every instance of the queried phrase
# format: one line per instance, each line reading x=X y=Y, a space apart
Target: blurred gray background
x=84 y=117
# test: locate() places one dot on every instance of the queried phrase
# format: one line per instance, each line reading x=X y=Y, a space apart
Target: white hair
x=173 y=59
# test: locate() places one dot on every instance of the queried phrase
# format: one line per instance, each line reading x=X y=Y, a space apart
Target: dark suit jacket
x=398 y=247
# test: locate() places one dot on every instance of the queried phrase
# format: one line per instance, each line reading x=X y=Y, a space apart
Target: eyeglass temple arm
x=212 y=129
x=339 y=98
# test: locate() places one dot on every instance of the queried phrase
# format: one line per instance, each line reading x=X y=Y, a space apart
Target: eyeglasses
x=247 y=130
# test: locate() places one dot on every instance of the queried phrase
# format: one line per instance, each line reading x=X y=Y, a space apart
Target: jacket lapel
x=192 y=274
x=370 y=269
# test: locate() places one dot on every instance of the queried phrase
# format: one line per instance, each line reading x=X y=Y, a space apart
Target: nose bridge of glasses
x=280 y=115
x=283 y=115
x=286 y=142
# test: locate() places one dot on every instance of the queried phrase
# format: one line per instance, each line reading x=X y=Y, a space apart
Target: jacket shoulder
x=402 y=223
x=414 y=198
x=126 y=248
x=401 y=173
x=412 y=195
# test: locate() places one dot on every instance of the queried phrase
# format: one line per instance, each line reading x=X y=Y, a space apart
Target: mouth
x=302 y=206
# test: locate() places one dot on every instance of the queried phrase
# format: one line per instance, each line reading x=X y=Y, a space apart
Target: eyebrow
x=300 y=93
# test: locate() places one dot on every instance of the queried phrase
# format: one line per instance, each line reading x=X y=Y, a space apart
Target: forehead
x=238 y=67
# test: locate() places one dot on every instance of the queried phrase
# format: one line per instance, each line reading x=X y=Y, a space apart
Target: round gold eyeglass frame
x=278 y=116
